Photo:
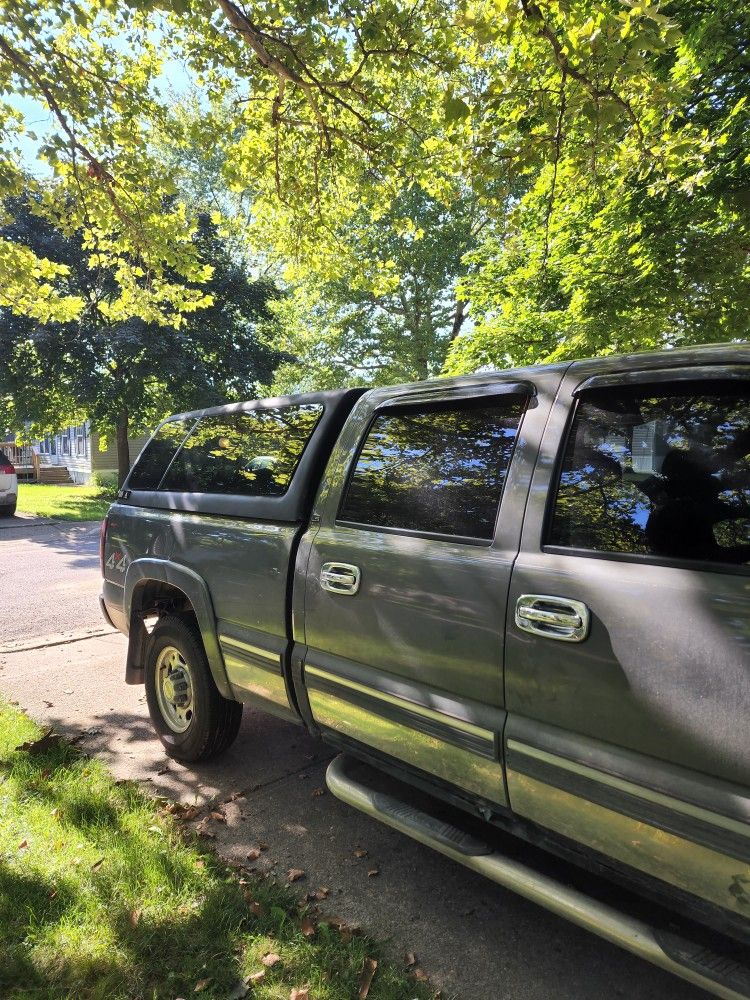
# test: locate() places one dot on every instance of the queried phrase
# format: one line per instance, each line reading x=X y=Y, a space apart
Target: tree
x=604 y=141
x=646 y=250
x=126 y=374
x=383 y=308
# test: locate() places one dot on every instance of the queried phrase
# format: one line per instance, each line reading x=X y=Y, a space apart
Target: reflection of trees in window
x=687 y=495
x=157 y=454
x=440 y=470
x=252 y=453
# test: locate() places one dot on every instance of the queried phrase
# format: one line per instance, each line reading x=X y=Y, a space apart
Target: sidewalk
x=476 y=941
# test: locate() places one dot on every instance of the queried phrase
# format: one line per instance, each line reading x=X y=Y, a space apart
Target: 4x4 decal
x=117 y=561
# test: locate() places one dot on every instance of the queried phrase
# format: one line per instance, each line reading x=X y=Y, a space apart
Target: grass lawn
x=105 y=894
x=64 y=503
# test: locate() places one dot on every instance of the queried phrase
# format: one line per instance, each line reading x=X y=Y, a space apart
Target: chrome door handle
x=553 y=617
x=340 y=578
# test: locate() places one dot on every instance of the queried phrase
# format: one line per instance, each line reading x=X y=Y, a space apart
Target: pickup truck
x=517 y=602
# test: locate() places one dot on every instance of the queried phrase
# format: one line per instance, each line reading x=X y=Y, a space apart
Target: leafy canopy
x=604 y=144
x=129 y=371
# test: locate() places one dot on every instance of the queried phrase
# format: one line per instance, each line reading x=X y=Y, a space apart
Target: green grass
x=64 y=503
x=103 y=894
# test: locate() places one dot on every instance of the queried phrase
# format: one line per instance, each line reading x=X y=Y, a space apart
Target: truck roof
x=688 y=356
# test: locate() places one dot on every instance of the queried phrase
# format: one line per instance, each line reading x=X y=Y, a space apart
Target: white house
x=79 y=450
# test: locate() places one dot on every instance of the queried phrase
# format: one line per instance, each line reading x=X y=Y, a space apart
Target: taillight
x=103 y=541
x=7 y=469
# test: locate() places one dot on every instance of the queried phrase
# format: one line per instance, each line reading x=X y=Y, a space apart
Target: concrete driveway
x=476 y=941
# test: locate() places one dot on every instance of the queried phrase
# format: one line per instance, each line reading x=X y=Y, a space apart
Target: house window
x=81 y=440
x=65 y=442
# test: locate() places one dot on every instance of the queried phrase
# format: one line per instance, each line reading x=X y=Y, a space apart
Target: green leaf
x=455 y=109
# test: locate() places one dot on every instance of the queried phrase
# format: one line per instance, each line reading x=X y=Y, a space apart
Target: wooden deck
x=30 y=466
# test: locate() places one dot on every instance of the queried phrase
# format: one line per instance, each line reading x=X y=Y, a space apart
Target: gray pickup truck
x=519 y=604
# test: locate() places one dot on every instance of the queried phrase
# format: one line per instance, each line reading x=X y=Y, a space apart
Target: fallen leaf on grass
x=52 y=893
x=256 y=977
x=253 y=854
x=135 y=918
x=295 y=874
x=201 y=985
x=420 y=975
x=307 y=927
x=218 y=816
x=409 y=959
x=97 y=864
x=365 y=979
x=24 y=843
x=321 y=893
x=203 y=831
x=373 y=872
x=55 y=813
x=300 y=993
x=271 y=959
x=360 y=853
x=347 y=931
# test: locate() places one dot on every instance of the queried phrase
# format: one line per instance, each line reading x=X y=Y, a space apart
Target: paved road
x=49 y=579
x=477 y=941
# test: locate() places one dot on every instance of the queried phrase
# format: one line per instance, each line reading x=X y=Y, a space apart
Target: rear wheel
x=8 y=511
x=193 y=720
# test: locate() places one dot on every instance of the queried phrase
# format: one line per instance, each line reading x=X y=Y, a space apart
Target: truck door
x=628 y=648
x=408 y=574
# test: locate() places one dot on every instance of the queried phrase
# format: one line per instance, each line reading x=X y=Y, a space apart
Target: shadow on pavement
x=78 y=541
x=477 y=941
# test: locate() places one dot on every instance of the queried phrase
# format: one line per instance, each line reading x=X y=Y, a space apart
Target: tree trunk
x=458 y=318
x=123 y=447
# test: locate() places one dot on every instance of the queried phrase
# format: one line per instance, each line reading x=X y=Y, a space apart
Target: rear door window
x=248 y=453
x=438 y=470
x=153 y=461
x=658 y=472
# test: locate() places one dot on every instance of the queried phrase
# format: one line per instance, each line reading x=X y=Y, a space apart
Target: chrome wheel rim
x=174 y=689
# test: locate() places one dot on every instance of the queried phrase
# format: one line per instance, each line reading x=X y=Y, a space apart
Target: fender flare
x=194 y=588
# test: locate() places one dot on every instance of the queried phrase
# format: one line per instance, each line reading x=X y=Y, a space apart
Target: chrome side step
x=717 y=975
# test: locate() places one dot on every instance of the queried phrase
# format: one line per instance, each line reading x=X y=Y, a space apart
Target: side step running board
x=717 y=975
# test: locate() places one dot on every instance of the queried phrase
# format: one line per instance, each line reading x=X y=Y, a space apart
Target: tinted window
x=253 y=453
x=437 y=470
x=153 y=461
x=662 y=472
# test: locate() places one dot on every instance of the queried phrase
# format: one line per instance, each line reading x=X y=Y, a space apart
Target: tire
x=8 y=511
x=193 y=722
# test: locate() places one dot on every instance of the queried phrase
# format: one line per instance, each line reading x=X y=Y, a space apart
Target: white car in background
x=8 y=486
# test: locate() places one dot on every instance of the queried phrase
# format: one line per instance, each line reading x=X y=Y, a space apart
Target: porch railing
x=23 y=456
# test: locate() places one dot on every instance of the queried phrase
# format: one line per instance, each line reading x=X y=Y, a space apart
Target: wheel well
x=154 y=597
x=151 y=599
